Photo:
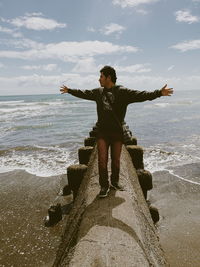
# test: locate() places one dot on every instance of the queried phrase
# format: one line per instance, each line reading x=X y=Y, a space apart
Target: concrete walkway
x=114 y=231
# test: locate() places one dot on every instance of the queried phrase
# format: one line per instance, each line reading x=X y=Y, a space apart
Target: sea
x=41 y=134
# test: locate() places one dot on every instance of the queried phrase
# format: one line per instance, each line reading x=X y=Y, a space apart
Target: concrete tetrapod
x=136 y=153
x=92 y=133
x=115 y=231
x=75 y=174
x=66 y=190
x=154 y=214
x=90 y=141
x=145 y=180
x=133 y=141
x=84 y=154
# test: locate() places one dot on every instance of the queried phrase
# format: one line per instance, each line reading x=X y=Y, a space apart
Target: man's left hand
x=166 y=91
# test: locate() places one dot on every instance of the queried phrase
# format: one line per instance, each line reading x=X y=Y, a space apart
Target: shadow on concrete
x=67 y=208
x=100 y=212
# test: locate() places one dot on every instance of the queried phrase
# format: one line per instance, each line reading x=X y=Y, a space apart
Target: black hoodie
x=120 y=98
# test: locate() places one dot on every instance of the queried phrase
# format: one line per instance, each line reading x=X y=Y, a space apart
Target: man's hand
x=63 y=89
x=166 y=91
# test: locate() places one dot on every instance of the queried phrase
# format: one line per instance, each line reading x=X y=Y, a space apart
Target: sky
x=47 y=43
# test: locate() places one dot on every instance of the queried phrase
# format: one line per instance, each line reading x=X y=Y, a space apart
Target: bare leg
x=116 y=148
x=103 y=146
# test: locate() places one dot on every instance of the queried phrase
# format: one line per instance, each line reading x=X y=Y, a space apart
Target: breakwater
x=114 y=231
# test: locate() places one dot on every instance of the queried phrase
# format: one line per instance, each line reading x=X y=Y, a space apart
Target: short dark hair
x=107 y=70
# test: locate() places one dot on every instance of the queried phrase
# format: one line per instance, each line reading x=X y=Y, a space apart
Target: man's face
x=103 y=80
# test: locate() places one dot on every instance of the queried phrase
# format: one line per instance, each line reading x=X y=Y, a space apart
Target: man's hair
x=107 y=70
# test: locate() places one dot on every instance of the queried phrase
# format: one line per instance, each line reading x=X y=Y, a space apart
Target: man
x=112 y=102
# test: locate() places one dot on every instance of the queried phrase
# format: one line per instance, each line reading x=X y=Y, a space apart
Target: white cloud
x=34 y=21
x=5 y=30
x=186 y=16
x=48 y=67
x=170 y=67
x=149 y=83
x=45 y=84
x=68 y=51
x=2 y=65
x=187 y=45
x=137 y=68
x=112 y=28
x=132 y=3
x=33 y=14
x=17 y=34
x=38 y=84
x=10 y=31
x=91 y=29
x=86 y=65
x=144 y=82
x=23 y=43
x=142 y=11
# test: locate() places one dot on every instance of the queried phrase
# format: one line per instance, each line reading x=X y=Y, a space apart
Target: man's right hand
x=63 y=89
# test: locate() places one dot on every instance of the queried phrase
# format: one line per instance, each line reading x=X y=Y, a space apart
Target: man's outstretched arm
x=140 y=96
x=85 y=94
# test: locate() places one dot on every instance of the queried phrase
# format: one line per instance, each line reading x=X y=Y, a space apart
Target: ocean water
x=42 y=133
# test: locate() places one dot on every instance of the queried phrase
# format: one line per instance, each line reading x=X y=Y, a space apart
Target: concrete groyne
x=117 y=230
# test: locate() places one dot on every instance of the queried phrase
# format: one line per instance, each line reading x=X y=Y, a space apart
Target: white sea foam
x=157 y=159
x=169 y=104
x=186 y=102
x=27 y=108
x=19 y=109
x=175 y=158
x=11 y=102
x=24 y=127
x=162 y=105
x=44 y=162
x=182 y=178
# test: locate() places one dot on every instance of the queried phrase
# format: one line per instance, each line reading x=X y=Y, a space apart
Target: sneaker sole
x=102 y=196
x=114 y=187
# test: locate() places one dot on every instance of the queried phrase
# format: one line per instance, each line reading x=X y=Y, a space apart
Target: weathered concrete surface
x=115 y=231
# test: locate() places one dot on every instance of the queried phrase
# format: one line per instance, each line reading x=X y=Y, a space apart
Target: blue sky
x=46 y=43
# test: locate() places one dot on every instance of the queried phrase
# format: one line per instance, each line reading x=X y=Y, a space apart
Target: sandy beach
x=25 y=199
x=178 y=228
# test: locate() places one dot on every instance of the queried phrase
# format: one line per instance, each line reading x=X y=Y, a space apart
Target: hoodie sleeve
x=131 y=96
x=85 y=94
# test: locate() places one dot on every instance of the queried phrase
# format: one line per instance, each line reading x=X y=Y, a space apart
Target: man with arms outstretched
x=109 y=131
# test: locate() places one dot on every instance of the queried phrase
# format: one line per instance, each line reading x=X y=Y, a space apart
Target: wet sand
x=178 y=228
x=25 y=199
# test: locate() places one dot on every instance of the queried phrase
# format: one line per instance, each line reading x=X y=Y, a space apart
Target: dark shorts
x=110 y=137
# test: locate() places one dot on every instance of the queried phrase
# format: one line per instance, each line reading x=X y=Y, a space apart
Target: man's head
x=108 y=77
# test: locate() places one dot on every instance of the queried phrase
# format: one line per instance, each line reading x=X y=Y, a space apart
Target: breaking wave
x=37 y=160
